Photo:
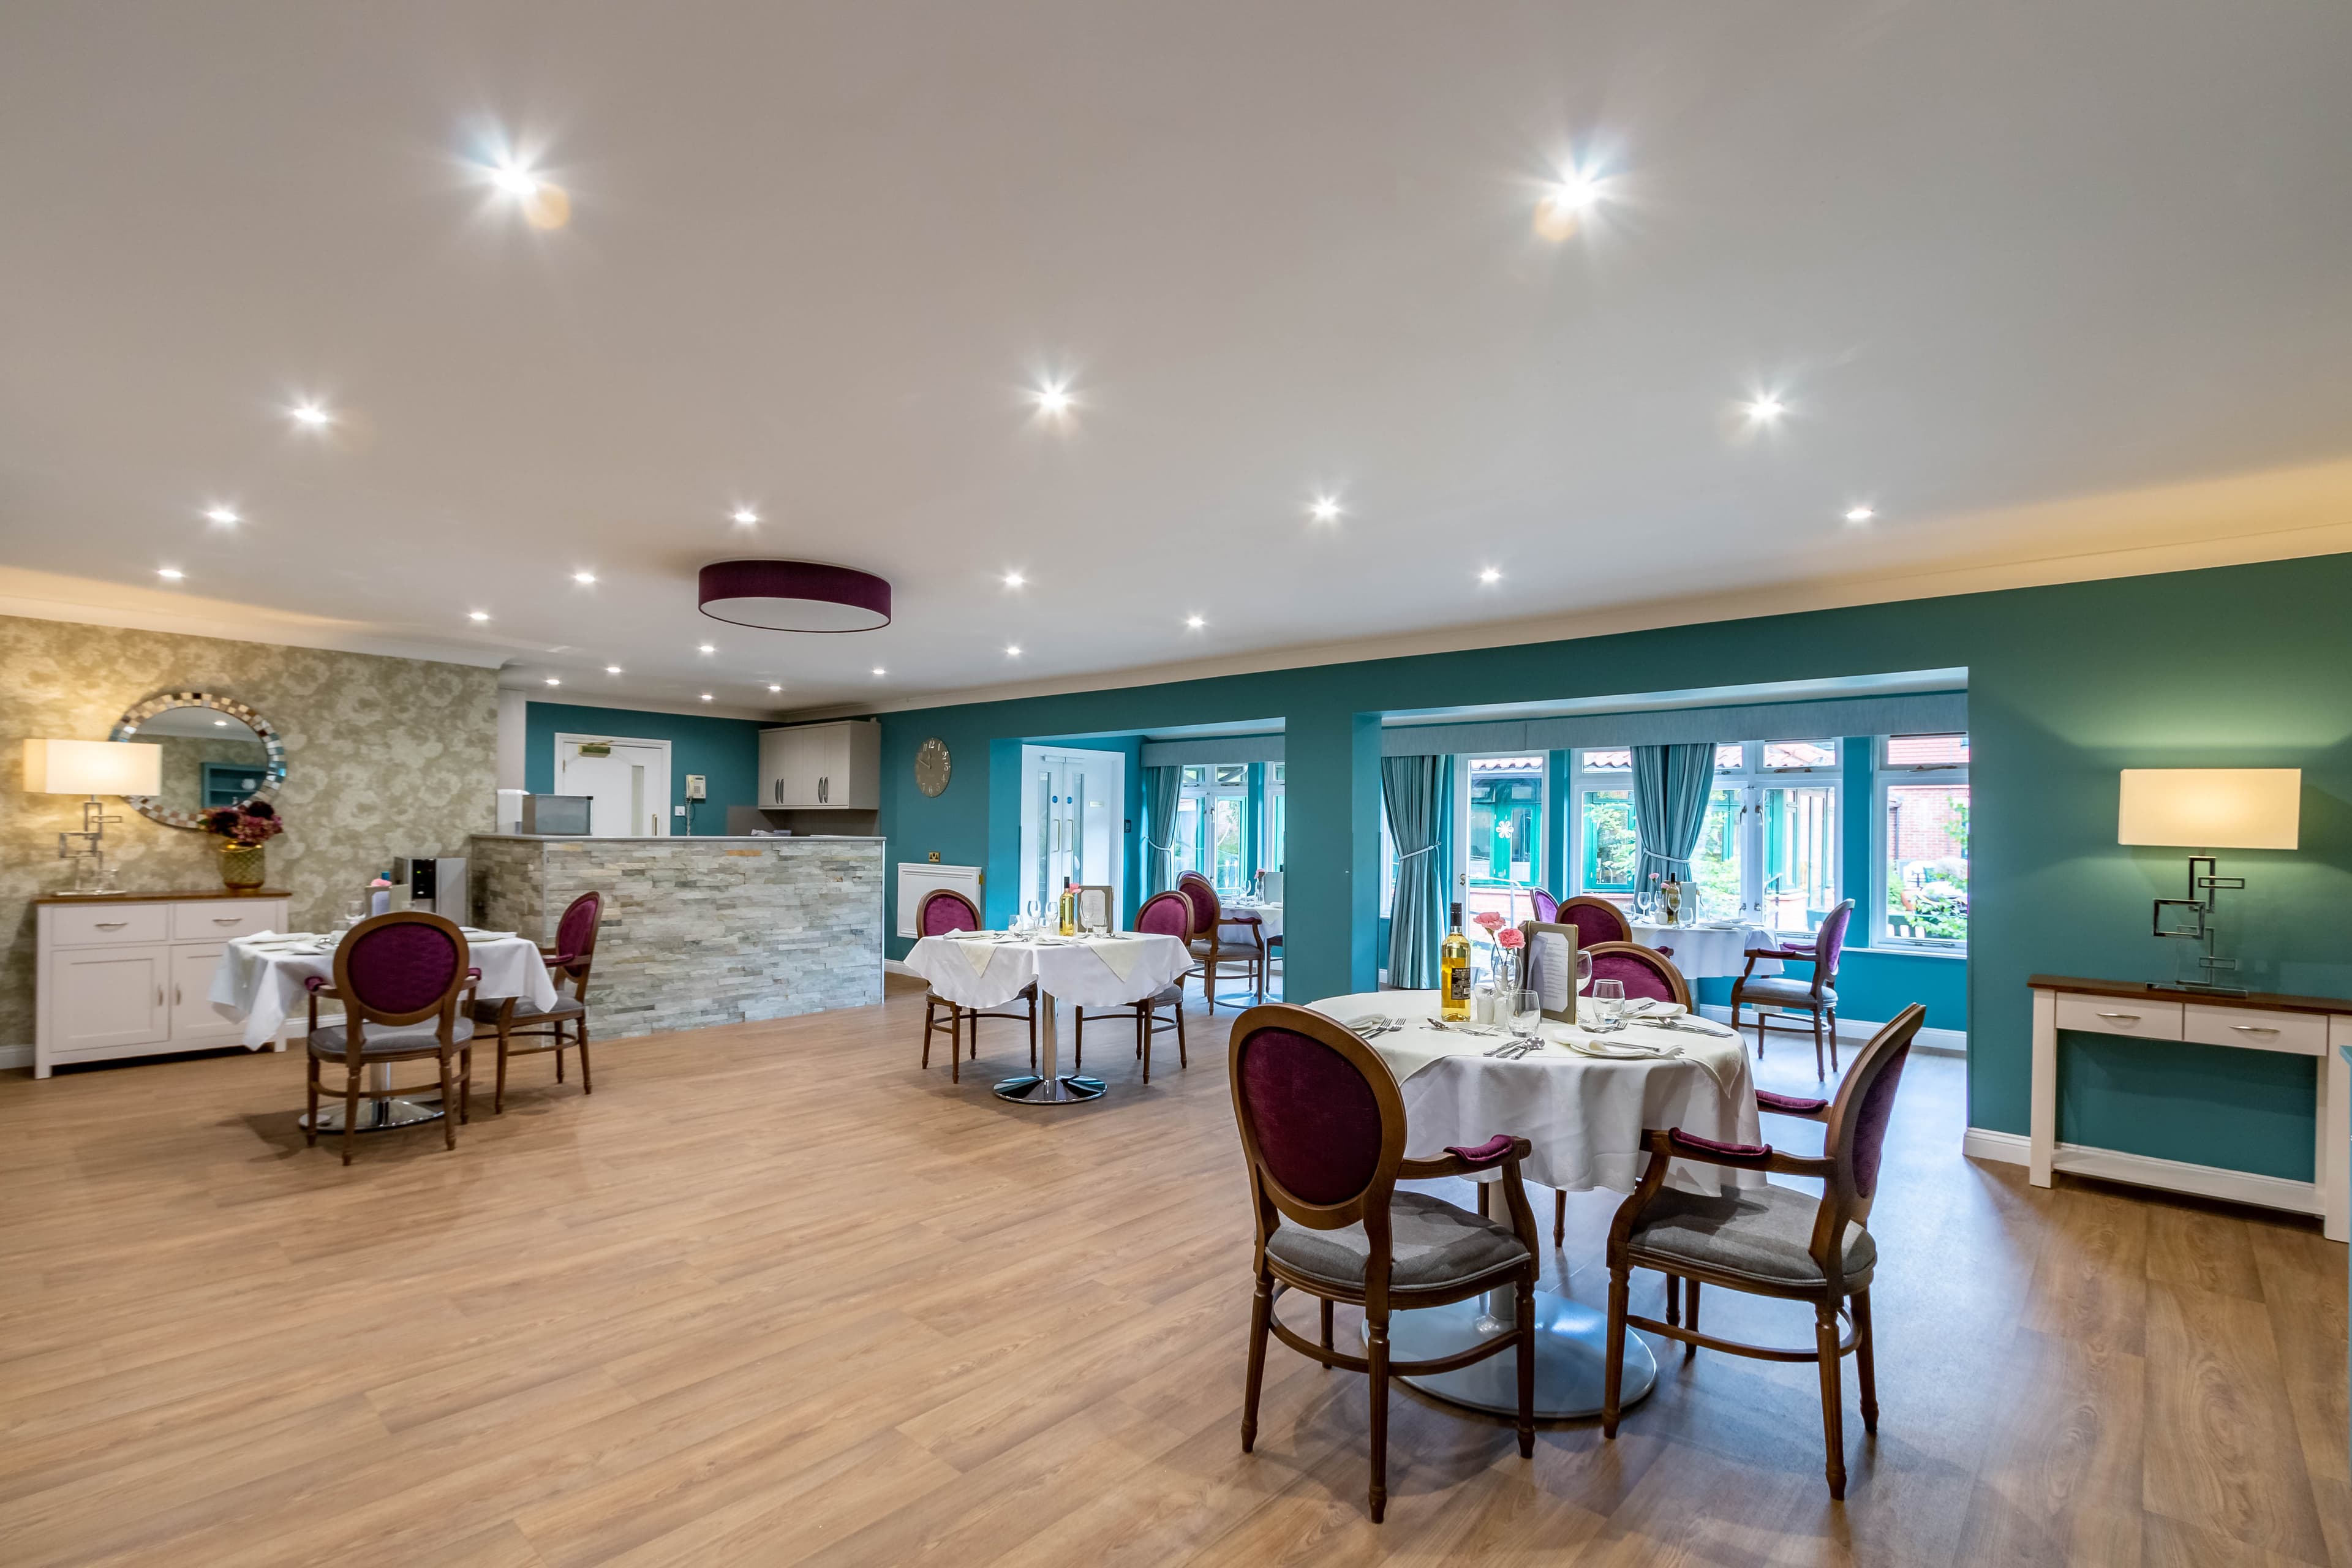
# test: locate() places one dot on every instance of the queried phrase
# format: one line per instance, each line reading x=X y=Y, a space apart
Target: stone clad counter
x=698 y=931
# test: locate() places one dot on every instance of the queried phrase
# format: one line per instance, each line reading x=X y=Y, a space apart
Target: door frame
x=1031 y=756
x=668 y=772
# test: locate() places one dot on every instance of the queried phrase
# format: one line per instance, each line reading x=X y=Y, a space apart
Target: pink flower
x=1510 y=939
x=1487 y=918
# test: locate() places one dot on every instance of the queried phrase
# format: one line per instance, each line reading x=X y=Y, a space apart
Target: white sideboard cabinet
x=129 y=974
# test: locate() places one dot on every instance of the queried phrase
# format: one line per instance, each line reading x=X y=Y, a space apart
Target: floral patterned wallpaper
x=383 y=757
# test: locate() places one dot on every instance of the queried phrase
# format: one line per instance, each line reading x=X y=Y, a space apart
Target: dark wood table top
x=162 y=895
x=2140 y=989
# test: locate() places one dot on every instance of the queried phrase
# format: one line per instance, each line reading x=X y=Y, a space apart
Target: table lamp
x=2209 y=808
x=91 y=768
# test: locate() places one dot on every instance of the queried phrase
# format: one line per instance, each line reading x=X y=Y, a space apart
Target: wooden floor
x=775 y=1295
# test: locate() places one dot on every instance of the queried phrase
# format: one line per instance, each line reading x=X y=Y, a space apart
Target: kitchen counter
x=698 y=931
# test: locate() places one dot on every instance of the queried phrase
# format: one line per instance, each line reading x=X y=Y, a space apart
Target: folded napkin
x=1121 y=954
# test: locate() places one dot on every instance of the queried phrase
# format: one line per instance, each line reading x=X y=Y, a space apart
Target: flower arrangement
x=255 y=823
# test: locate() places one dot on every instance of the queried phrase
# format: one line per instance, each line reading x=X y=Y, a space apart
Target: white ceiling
x=2035 y=281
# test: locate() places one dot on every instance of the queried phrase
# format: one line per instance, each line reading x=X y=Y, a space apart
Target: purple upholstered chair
x=1817 y=996
x=1771 y=1240
x=1644 y=971
x=1210 y=946
x=1162 y=914
x=943 y=910
x=1546 y=906
x=402 y=979
x=1596 y=920
x=537 y=1029
x=1322 y=1125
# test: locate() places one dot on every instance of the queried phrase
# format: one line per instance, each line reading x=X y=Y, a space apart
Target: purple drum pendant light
x=794 y=597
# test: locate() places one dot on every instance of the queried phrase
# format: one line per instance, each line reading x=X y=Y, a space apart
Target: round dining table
x=986 y=969
x=1700 y=950
x=263 y=981
x=1584 y=1117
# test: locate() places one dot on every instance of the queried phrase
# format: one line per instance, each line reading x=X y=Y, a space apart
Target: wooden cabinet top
x=163 y=896
x=2144 y=991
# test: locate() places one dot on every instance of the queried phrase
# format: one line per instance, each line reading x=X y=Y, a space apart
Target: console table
x=2314 y=1026
x=131 y=975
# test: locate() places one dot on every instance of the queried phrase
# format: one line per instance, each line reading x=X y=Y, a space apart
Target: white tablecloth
x=1089 y=972
x=265 y=989
x=1269 y=919
x=1584 y=1117
x=1701 y=950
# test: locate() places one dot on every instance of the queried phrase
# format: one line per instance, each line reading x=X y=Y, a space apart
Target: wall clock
x=931 y=766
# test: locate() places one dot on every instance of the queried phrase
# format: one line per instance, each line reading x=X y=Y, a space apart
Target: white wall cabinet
x=132 y=977
x=822 y=765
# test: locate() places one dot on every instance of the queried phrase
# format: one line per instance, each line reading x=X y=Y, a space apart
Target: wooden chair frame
x=1272 y=1203
x=1593 y=901
x=957 y=1012
x=551 y=1029
x=1822 y=1010
x=1835 y=1301
x=1217 y=954
x=455 y=1096
x=1144 y=1012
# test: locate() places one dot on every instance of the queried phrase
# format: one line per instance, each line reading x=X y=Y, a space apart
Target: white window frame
x=1883 y=775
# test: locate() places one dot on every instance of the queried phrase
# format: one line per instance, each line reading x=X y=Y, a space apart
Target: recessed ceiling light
x=553 y=681
x=1565 y=203
x=220 y=723
x=707 y=647
x=612 y=669
x=1860 y=513
x=1490 y=575
x=1765 y=409
x=1194 y=622
x=706 y=697
x=1013 y=651
x=311 y=416
x=1014 y=579
x=478 y=615
x=879 y=670
x=773 y=686
x=221 y=514
x=1326 y=508
x=583 y=578
x=1054 y=399
x=746 y=516
x=170 y=573
x=514 y=179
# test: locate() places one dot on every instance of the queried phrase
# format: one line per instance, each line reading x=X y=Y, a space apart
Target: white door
x=1071 y=824
x=628 y=781
x=109 y=996
x=194 y=1017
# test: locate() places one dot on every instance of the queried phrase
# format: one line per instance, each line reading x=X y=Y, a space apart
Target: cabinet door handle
x=2132 y=1017
x=2253 y=1030
x=112 y=925
x=228 y=920
x=159 y=996
x=175 y=995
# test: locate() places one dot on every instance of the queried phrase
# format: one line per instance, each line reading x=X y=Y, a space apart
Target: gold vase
x=242 y=866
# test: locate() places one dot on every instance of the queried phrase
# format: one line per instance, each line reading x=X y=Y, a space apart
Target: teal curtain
x=1254 y=829
x=1161 y=786
x=1670 y=788
x=1418 y=795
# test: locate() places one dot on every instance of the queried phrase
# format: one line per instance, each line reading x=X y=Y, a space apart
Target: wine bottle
x=1070 y=909
x=1454 y=972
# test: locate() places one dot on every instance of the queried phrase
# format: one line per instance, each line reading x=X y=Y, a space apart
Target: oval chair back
x=575 y=937
x=1858 y=1120
x=1201 y=894
x=1166 y=914
x=1596 y=920
x=944 y=909
x=1829 y=945
x=1546 y=906
x=400 y=968
x=1644 y=971
x=1322 y=1126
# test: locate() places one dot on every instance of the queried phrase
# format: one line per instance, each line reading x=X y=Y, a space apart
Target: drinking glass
x=353 y=912
x=1526 y=1013
x=1609 y=1001
x=1032 y=914
x=1583 y=970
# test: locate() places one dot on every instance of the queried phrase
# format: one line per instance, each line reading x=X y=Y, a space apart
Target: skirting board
x=1850 y=1032
x=15 y=1057
x=2146 y=1171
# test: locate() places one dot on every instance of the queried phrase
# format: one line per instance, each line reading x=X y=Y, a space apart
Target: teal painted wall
x=2067 y=686
x=726 y=751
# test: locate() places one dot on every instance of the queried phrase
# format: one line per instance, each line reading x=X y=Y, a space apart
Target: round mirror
x=216 y=751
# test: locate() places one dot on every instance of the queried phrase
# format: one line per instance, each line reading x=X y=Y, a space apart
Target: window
x=1767 y=853
x=1505 y=852
x=1210 y=803
x=1278 y=817
x=1923 y=840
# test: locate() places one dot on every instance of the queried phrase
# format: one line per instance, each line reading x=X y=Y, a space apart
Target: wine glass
x=353 y=912
x=1583 y=970
x=1032 y=914
x=1609 y=1001
x=1525 y=1015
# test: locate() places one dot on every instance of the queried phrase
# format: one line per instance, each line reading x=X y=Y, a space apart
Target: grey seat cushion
x=327 y=1039
x=1782 y=993
x=1435 y=1244
x=1762 y=1233
x=526 y=1011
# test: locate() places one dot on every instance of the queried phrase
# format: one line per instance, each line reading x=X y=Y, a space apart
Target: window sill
x=1914 y=950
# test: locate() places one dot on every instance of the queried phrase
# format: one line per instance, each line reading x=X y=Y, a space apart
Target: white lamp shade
x=93 y=767
x=2211 y=808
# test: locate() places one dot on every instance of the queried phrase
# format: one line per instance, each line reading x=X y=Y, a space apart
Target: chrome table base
x=375 y=1115
x=1050 y=1087
x=1571 y=1346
